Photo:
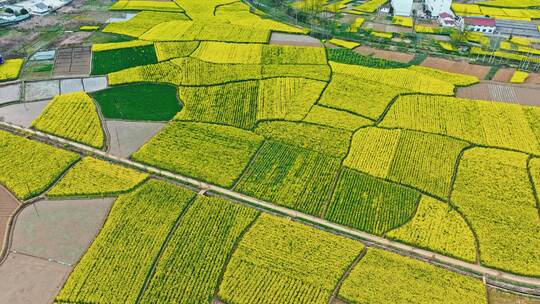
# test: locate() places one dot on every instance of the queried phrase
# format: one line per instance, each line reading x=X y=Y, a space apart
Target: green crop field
x=214 y=153
x=105 y=62
x=371 y=204
x=291 y=176
x=72 y=116
x=154 y=102
x=421 y=160
x=29 y=167
x=230 y=104
x=200 y=245
x=248 y=163
x=501 y=207
x=137 y=226
x=94 y=177
x=383 y=277
x=277 y=256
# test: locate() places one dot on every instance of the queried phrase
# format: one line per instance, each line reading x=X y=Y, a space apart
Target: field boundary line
x=232 y=252
x=455 y=208
x=345 y=275
x=516 y=281
x=164 y=245
x=533 y=184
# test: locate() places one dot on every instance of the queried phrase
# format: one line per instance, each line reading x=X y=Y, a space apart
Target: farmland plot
x=309 y=71
x=287 y=98
x=213 y=153
x=223 y=52
x=72 y=116
x=336 y=118
x=94 y=177
x=385 y=277
x=169 y=50
x=28 y=167
x=115 y=266
x=99 y=47
x=370 y=204
x=146 y=101
x=290 y=176
x=143 y=22
x=284 y=54
x=424 y=161
x=233 y=104
x=187 y=71
x=279 y=261
x=108 y=61
x=358 y=95
x=482 y=122
x=350 y=57
x=134 y=5
x=399 y=78
x=493 y=191
x=455 y=79
x=326 y=140
x=207 y=30
x=437 y=227
x=189 y=268
x=239 y=13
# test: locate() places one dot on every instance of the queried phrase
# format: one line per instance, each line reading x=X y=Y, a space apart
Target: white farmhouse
x=437 y=7
x=402 y=7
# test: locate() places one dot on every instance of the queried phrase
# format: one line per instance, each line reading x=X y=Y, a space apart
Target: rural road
x=493 y=277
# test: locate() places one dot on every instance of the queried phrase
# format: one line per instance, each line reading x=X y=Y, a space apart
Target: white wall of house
x=438 y=6
x=402 y=7
x=481 y=29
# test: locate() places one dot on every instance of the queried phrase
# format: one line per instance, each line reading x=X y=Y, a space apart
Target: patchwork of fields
x=372 y=145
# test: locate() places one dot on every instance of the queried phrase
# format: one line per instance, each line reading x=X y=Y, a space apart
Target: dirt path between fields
x=492 y=276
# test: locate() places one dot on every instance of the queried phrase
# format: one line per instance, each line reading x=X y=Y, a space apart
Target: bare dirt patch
x=504 y=75
x=380 y=27
x=294 y=39
x=534 y=78
x=60 y=230
x=71 y=85
x=93 y=84
x=501 y=92
x=73 y=61
x=8 y=205
x=10 y=93
x=496 y=296
x=383 y=54
x=73 y=38
x=28 y=279
x=39 y=90
x=22 y=114
x=460 y=67
x=128 y=137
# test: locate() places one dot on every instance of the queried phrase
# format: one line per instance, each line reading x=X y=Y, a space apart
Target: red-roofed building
x=446 y=20
x=482 y=25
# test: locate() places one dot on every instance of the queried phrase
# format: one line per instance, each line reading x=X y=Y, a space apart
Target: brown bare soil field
x=73 y=61
x=22 y=114
x=390 y=55
x=127 y=137
x=60 y=230
x=534 y=78
x=504 y=75
x=461 y=67
x=501 y=92
x=27 y=279
x=379 y=27
x=8 y=206
x=294 y=39
x=496 y=296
